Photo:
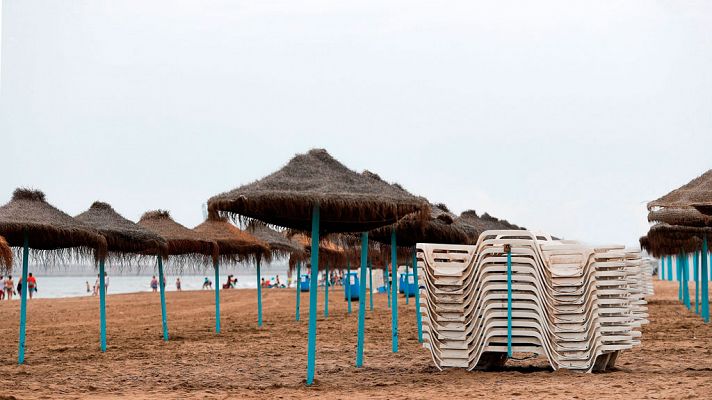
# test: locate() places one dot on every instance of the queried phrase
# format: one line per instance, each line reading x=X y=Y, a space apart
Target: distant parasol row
x=681 y=225
x=515 y=292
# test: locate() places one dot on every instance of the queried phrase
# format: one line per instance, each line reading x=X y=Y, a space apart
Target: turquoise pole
x=299 y=288
x=161 y=284
x=678 y=265
x=418 y=317
x=217 y=297
x=23 y=299
x=407 y=285
x=705 y=293
x=327 y=282
x=661 y=270
x=669 y=268
x=509 y=301
x=102 y=306
x=685 y=280
x=696 y=271
x=311 y=347
x=348 y=285
x=394 y=292
x=259 y=294
x=361 y=300
x=370 y=285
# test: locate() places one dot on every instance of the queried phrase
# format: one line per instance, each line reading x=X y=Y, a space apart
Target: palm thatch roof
x=330 y=253
x=280 y=245
x=348 y=201
x=181 y=240
x=122 y=235
x=665 y=239
x=5 y=256
x=48 y=228
x=473 y=225
x=438 y=228
x=697 y=193
x=234 y=244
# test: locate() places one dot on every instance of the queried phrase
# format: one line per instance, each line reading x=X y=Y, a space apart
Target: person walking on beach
x=95 y=292
x=2 y=292
x=31 y=284
x=178 y=284
x=9 y=287
x=207 y=284
x=154 y=284
x=88 y=287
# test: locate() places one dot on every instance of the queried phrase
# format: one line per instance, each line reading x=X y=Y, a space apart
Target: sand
x=64 y=361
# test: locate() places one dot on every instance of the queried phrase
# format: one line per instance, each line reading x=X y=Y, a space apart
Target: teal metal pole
x=102 y=306
x=161 y=284
x=407 y=285
x=259 y=295
x=394 y=292
x=678 y=267
x=696 y=271
x=362 y=300
x=418 y=317
x=705 y=293
x=370 y=285
x=311 y=347
x=348 y=285
x=669 y=268
x=217 y=297
x=686 y=278
x=299 y=288
x=661 y=269
x=509 y=301
x=327 y=282
x=23 y=298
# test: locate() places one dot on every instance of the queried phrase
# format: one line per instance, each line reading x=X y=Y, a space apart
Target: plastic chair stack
x=576 y=305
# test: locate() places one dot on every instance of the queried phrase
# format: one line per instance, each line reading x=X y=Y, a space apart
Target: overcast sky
x=562 y=116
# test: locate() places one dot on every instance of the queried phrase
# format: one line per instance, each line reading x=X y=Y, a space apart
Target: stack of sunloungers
x=576 y=305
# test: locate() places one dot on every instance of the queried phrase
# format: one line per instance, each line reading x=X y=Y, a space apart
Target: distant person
x=9 y=287
x=106 y=282
x=31 y=284
x=263 y=283
x=96 y=286
x=207 y=284
x=88 y=287
x=154 y=284
x=2 y=292
x=178 y=284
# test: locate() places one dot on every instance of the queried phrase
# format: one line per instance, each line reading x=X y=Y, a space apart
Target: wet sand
x=63 y=358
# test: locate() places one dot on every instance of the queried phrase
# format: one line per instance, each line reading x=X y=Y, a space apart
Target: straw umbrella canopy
x=316 y=192
x=330 y=253
x=473 y=225
x=181 y=241
x=347 y=200
x=685 y=216
x=5 y=255
x=438 y=228
x=122 y=235
x=280 y=245
x=30 y=222
x=234 y=244
x=665 y=239
x=696 y=194
x=47 y=228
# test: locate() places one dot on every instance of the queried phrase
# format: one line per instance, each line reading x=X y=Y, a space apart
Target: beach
x=63 y=358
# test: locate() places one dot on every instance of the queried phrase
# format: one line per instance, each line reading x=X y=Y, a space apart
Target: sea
x=72 y=284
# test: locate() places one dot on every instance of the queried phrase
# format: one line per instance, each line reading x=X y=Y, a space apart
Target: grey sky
x=562 y=116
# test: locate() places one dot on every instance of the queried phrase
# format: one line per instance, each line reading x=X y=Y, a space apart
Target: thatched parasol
x=473 y=225
x=687 y=216
x=234 y=244
x=438 y=228
x=348 y=201
x=330 y=253
x=280 y=245
x=665 y=239
x=122 y=235
x=30 y=222
x=5 y=255
x=697 y=193
x=47 y=227
x=181 y=240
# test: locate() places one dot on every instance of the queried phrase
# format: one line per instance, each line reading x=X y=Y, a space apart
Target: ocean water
x=72 y=286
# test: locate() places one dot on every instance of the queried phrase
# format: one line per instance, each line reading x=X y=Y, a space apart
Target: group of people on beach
x=277 y=284
x=94 y=290
x=9 y=289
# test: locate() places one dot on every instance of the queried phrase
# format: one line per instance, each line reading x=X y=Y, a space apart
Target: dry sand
x=64 y=361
